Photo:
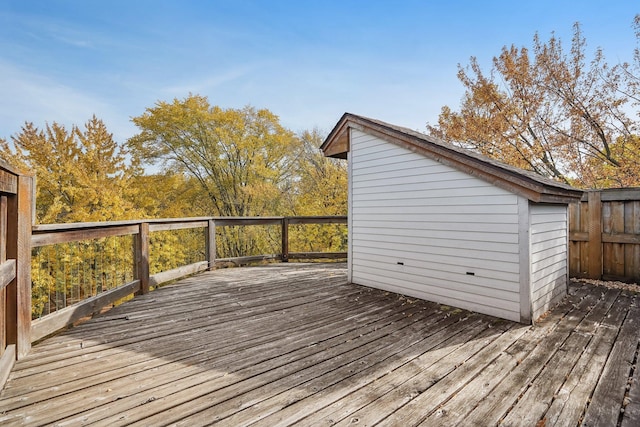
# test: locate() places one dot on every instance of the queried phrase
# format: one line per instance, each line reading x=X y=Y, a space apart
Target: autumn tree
x=82 y=174
x=321 y=184
x=239 y=157
x=242 y=159
x=550 y=111
x=319 y=188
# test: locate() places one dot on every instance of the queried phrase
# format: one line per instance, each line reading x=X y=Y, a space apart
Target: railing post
x=211 y=244
x=18 y=297
x=595 y=235
x=142 y=257
x=285 y=240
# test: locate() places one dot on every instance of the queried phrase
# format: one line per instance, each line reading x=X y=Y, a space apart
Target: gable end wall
x=424 y=229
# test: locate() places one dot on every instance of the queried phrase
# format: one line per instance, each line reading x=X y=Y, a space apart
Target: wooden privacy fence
x=604 y=235
x=16 y=193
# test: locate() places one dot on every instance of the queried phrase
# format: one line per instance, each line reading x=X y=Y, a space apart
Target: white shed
x=437 y=222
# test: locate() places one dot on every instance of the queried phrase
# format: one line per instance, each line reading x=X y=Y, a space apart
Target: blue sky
x=308 y=61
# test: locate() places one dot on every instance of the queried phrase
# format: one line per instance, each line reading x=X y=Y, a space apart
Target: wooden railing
x=16 y=194
x=604 y=235
x=140 y=279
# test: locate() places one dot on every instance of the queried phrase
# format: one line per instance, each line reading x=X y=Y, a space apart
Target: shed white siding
x=549 y=253
x=424 y=229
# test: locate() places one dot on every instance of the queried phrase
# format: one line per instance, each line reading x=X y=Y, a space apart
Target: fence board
x=604 y=241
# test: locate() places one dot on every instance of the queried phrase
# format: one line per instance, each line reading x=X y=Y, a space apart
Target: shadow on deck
x=294 y=344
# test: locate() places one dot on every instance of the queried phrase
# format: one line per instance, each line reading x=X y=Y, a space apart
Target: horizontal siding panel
x=441 y=220
x=462 y=291
x=394 y=164
x=426 y=182
x=467 y=211
x=410 y=170
x=543 y=275
x=547 y=262
x=500 y=270
x=360 y=138
x=442 y=278
x=460 y=236
x=392 y=249
x=369 y=162
x=545 y=228
x=491 y=307
x=369 y=143
x=556 y=283
x=554 y=218
x=490 y=248
x=406 y=169
x=549 y=244
x=447 y=193
x=377 y=188
x=505 y=203
x=547 y=301
x=381 y=152
x=542 y=296
x=542 y=209
x=558 y=250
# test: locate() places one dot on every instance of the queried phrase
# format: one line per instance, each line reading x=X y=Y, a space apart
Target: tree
x=242 y=159
x=550 y=112
x=321 y=183
x=82 y=175
x=320 y=188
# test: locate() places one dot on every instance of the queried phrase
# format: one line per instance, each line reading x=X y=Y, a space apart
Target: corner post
x=211 y=244
x=19 y=213
x=142 y=257
x=595 y=235
x=285 y=240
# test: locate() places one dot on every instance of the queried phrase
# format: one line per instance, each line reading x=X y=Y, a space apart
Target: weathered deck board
x=294 y=344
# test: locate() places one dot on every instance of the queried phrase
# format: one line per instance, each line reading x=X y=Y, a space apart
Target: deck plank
x=455 y=410
x=295 y=344
x=608 y=397
x=573 y=397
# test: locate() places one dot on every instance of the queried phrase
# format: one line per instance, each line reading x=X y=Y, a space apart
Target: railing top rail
x=47 y=228
x=222 y=221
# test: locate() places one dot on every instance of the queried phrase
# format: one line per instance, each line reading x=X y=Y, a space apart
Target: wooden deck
x=294 y=344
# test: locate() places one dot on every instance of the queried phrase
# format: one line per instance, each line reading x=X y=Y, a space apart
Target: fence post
x=142 y=257
x=285 y=240
x=595 y=235
x=18 y=297
x=211 y=244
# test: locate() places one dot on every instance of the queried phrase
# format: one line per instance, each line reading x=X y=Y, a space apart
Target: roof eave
x=337 y=145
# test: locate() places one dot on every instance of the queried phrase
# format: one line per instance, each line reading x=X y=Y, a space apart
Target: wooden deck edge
x=247 y=259
x=7 y=361
x=317 y=255
x=60 y=319
x=176 y=273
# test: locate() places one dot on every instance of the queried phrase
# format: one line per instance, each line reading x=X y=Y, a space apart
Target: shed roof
x=525 y=183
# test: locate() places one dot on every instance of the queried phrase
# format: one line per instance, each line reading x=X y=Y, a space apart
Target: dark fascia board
x=530 y=185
